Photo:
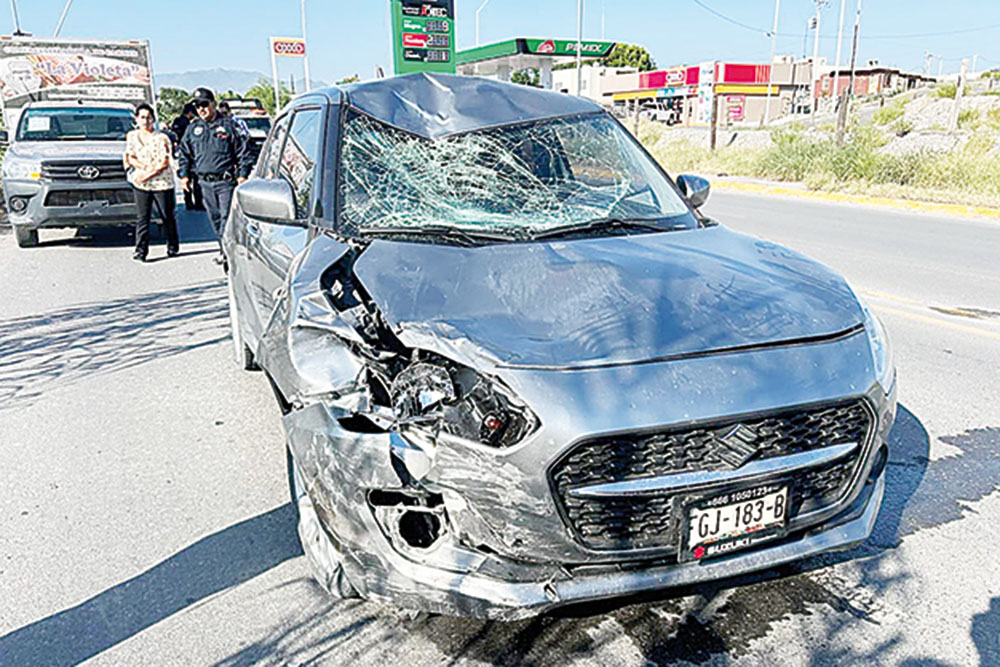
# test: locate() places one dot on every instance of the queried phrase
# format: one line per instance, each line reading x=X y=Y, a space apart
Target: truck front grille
x=644 y=521
x=77 y=197
x=74 y=170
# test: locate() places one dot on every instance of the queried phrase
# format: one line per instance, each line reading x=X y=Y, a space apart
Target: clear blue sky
x=352 y=37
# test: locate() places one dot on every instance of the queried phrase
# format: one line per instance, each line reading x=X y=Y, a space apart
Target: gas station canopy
x=502 y=59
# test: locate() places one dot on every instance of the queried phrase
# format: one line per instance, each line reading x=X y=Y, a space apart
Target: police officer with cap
x=214 y=150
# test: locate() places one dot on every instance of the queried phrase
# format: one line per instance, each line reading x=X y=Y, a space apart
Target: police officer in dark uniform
x=215 y=151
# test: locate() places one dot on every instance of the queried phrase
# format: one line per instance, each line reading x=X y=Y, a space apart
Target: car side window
x=301 y=156
x=270 y=159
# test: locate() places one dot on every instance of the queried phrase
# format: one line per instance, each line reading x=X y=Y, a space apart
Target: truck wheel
x=324 y=561
x=26 y=238
x=243 y=355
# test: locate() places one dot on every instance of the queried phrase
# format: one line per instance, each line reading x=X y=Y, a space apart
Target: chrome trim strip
x=686 y=481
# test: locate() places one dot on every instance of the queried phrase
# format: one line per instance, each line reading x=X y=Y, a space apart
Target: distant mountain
x=221 y=80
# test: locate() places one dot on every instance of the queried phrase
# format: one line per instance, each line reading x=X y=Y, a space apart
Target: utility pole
x=62 y=18
x=305 y=56
x=959 y=87
x=713 y=127
x=17 y=21
x=770 y=67
x=845 y=99
x=972 y=73
x=928 y=60
x=814 y=68
x=940 y=66
x=579 y=48
x=840 y=43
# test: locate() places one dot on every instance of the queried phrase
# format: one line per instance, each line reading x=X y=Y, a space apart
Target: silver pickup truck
x=63 y=168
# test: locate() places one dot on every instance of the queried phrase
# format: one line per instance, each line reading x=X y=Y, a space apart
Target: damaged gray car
x=519 y=369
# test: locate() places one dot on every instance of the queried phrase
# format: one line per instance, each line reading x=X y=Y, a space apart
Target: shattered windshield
x=515 y=180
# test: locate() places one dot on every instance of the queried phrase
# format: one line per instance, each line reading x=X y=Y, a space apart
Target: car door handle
x=253 y=229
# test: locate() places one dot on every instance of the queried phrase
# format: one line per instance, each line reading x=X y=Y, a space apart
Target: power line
x=730 y=20
x=762 y=31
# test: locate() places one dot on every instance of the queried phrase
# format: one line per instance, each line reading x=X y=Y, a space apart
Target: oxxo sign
x=289 y=47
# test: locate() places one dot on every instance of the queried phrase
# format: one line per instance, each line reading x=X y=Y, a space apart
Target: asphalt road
x=144 y=516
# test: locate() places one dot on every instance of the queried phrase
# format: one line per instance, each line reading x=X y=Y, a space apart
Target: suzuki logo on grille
x=737 y=445
x=88 y=172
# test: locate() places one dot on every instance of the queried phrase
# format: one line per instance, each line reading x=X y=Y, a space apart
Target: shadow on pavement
x=53 y=349
x=217 y=562
x=711 y=623
x=986 y=634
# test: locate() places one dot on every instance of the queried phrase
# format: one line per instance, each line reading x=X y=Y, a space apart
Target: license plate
x=733 y=520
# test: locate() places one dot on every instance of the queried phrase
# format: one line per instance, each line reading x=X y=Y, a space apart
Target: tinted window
x=301 y=155
x=273 y=150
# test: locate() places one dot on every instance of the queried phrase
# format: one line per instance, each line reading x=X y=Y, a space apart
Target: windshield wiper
x=467 y=237
x=600 y=224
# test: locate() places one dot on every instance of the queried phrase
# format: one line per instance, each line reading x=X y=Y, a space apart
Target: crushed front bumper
x=342 y=466
x=441 y=591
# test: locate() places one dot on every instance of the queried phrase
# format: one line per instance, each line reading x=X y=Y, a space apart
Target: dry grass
x=967 y=175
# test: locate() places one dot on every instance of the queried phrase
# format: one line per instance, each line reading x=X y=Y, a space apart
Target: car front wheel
x=244 y=357
x=26 y=238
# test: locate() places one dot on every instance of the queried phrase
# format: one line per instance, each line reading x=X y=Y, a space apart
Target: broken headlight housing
x=461 y=402
x=881 y=348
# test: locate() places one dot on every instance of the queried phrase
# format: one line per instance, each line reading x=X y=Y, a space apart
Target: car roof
x=438 y=105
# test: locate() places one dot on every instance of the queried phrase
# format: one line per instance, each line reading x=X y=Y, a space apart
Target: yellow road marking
x=891 y=297
x=939 y=322
x=958 y=210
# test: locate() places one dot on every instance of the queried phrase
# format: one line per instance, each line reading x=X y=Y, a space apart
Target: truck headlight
x=881 y=349
x=461 y=402
x=22 y=169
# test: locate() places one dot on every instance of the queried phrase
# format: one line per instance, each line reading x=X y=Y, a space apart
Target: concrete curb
x=958 y=210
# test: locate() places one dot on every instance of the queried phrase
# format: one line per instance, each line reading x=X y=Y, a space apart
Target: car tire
x=241 y=351
x=26 y=238
x=323 y=558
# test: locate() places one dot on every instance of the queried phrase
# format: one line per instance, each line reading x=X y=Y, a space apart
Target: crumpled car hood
x=603 y=301
x=41 y=150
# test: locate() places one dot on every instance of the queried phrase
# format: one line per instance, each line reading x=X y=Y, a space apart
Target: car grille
x=77 y=197
x=644 y=521
x=69 y=170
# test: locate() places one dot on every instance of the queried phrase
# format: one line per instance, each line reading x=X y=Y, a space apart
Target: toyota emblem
x=88 y=172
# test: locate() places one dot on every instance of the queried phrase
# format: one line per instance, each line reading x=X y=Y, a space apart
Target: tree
x=630 y=55
x=349 y=79
x=263 y=90
x=170 y=102
x=527 y=77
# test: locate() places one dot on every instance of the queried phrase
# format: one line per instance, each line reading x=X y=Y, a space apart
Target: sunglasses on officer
x=202 y=104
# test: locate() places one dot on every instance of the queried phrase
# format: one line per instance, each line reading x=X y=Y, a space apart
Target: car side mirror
x=270 y=200
x=695 y=188
x=4 y=138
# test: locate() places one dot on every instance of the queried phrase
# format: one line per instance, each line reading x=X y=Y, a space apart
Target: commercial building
x=870 y=81
x=737 y=93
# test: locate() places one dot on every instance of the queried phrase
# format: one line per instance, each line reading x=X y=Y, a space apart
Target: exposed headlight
x=22 y=169
x=461 y=402
x=881 y=348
